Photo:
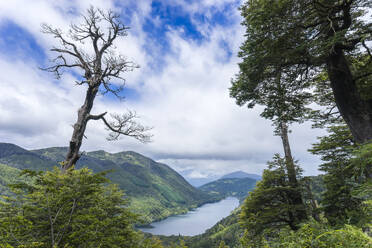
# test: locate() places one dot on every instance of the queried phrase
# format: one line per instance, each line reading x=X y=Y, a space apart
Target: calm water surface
x=194 y=222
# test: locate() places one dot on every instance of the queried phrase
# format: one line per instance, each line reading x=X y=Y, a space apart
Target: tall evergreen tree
x=271 y=206
x=309 y=36
x=284 y=102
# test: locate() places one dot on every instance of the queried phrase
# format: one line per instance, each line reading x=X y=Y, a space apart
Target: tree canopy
x=72 y=209
x=303 y=38
x=271 y=204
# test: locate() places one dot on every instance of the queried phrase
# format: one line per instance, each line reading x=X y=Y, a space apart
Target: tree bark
x=295 y=195
x=356 y=111
x=79 y=128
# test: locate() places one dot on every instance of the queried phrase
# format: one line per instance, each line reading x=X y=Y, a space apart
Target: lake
x=196 y=221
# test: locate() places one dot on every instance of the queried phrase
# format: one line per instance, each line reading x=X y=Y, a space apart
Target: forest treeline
x=297 y=55
x=302 y=60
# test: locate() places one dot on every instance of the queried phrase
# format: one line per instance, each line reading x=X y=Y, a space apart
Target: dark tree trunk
x=79 y=128
x=295 y=194
x=356 y=112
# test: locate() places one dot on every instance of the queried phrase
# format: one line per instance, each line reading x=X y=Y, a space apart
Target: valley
x=155 y=190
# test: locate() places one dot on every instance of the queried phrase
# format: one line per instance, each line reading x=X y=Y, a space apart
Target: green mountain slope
x=9 y=175
x=20 y=158
x=154 y=189
x=237 y=187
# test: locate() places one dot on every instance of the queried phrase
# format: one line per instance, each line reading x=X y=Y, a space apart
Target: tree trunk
x=79 y=129
x=291 y=170
x=296 y=197
x=356 y=112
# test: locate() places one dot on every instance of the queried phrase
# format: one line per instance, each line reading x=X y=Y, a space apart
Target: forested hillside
x=236 y=187
x=8 y=175
x=155 y=190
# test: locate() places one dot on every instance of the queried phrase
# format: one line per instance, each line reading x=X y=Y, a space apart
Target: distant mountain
x=20 y=158
x=241 y=174
x=197 y=182
x=154 y=189
x=238 y=187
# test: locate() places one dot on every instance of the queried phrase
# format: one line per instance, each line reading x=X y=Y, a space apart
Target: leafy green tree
x=304 y=37
x=336 y=150
x=270 y=205
x=284 y=102
x=72 y=209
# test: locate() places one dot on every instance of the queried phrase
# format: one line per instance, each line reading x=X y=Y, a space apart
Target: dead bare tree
x=99 y=65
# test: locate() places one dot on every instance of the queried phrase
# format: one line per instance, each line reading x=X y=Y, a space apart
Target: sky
x=187 y=53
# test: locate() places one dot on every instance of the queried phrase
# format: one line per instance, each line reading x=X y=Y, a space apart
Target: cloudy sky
x=186 y=50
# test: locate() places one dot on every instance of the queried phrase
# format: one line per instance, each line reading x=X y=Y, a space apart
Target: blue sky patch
x=18 y=43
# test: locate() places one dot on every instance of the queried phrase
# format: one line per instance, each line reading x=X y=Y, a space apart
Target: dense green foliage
x=313 y=234
x=73 y=209
x=8 y=175
x=270 y=204
x=336 y=150
x=155 y=190
x=237 y=187
x=344 y=193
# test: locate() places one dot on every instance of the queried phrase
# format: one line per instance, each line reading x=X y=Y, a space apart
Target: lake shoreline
x=195 y=221
x=187 y=210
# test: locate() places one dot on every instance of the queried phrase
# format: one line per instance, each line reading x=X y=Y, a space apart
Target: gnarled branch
x=99 y=29
x=124 y=124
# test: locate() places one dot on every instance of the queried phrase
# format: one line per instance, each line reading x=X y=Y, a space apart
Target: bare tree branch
x=125 y=124
x=99 y=29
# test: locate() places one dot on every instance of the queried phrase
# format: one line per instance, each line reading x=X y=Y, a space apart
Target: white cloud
x=197 y=126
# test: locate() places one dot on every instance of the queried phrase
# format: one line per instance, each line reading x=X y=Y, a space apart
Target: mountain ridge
x=241 y=174
x=155 y=190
